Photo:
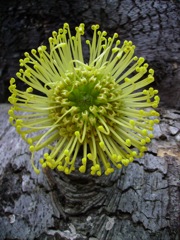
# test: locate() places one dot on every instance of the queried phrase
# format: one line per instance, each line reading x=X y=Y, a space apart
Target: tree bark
x=140 y=201
x=153 y=26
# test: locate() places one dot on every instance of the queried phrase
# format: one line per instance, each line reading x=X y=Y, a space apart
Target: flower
x=100 y=106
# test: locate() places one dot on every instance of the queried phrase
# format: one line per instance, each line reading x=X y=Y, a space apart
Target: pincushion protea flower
x=99 y=106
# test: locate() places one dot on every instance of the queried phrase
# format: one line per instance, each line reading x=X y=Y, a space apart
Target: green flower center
x=84 y=96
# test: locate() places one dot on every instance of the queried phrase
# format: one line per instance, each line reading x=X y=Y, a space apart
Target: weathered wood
x=139 y=202
x=153 y=26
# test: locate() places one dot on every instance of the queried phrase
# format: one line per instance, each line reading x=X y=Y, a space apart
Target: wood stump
x=140 y=201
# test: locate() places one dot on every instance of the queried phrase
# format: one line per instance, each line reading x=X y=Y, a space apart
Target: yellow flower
x=99 y=106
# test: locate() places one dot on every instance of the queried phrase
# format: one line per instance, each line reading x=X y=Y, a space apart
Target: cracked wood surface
x=137 y=202
x=153 y=26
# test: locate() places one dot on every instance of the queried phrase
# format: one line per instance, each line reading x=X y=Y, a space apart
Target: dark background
x=153 y=26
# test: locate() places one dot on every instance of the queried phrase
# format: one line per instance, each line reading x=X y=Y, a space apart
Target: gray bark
x=153 y=26
x=138 y=202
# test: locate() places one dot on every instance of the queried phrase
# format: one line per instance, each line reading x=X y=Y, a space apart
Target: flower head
x=100 y=106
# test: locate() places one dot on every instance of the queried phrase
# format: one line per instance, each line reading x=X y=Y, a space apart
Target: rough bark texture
x=138 y=202
x=153 y=26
